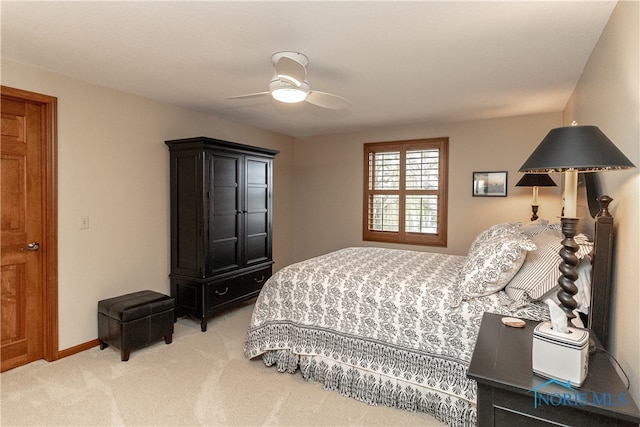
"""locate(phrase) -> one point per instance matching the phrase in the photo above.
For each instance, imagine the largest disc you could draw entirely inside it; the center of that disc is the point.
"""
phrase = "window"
(405, 193)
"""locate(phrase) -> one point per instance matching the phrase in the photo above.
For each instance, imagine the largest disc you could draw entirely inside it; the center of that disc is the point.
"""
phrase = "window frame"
(402, 236)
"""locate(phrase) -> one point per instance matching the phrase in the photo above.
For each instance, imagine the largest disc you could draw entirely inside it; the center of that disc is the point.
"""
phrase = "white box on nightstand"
(561, 356)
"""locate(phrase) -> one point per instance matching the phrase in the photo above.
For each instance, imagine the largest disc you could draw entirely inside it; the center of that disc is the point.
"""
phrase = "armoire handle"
(223, 292)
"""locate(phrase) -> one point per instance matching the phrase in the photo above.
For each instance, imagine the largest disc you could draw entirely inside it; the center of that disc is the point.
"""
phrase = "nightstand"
(510, 394)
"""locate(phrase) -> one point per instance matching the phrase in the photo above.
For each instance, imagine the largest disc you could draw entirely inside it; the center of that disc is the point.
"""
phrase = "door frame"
(49, 174)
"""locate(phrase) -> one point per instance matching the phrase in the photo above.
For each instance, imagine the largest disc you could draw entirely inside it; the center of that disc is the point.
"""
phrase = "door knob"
(33, 246)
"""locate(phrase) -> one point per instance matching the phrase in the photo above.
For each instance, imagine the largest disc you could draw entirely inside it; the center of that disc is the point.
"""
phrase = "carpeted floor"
(199, 379)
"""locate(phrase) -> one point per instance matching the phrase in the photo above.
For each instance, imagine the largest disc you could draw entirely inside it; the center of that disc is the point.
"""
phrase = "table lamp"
(573, 149)
(535, 180)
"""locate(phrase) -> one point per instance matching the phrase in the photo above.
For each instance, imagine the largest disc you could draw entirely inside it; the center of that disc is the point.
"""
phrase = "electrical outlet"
(84, 222)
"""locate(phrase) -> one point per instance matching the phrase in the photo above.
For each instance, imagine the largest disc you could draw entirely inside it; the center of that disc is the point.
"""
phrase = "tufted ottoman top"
(135, 305)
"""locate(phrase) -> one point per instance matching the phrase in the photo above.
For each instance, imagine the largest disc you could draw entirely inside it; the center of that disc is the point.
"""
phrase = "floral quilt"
(385, 326)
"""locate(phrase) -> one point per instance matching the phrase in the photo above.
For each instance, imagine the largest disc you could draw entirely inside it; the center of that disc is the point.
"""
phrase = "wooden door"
(28, 254)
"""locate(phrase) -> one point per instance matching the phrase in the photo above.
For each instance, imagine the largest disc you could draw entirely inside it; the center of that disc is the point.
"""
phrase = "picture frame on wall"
(490, 184)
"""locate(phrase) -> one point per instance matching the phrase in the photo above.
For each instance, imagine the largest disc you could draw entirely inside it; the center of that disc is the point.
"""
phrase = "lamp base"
(534, 212)
(568, 267)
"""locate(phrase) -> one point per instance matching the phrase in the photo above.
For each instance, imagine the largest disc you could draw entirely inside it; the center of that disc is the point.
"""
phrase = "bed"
(397, 327)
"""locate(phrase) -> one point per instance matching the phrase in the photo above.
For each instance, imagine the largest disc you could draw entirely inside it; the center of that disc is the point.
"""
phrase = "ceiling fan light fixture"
(289, 85)
(289, 95)
(286, 92)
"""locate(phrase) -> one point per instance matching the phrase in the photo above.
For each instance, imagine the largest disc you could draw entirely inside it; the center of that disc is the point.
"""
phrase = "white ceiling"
(398, 62)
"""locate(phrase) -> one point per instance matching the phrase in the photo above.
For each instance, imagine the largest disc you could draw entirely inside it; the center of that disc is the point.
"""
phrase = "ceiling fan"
(289, 84)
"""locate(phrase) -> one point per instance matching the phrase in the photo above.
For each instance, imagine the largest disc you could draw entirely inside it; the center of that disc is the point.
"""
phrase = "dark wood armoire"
(221, 217)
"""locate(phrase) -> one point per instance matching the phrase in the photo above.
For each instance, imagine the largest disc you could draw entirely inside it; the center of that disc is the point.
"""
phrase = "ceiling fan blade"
(290, 70)
(327, 100)
(249, 95)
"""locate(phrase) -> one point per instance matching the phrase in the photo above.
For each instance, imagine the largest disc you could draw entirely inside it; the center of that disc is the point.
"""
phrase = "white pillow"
(583, 283)
(540, 270)
(492, 265)
(538, 226)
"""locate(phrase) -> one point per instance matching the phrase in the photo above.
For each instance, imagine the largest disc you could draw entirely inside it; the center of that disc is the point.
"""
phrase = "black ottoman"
(135, 320)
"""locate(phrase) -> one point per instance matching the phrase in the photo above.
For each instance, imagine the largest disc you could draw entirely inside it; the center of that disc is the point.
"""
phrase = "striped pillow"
(540, 271)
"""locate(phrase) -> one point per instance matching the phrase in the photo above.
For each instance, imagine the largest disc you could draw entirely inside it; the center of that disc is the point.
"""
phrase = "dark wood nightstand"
(510, 394)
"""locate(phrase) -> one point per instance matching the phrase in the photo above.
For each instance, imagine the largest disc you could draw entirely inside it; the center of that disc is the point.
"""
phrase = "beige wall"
(329, 181)
(608, 96)
(113, 166)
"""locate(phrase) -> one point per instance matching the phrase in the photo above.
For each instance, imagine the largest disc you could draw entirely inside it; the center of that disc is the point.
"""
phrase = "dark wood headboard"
(601, 264)
(596, 223)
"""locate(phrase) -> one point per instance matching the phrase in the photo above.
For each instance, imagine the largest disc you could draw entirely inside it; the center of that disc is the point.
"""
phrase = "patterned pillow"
(540, 270)
(491, 266)
(492, 232)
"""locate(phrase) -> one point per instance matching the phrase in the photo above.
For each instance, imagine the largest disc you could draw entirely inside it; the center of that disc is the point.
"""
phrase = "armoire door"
(258, 210)
(225, 212)
(187, 254)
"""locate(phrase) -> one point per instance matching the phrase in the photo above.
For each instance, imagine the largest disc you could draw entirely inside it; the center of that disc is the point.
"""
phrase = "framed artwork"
(490, 184)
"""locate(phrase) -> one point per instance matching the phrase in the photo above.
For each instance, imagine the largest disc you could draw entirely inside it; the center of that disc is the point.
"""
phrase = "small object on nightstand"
(514, 322)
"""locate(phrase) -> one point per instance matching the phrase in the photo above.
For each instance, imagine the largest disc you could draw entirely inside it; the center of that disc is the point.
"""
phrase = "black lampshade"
(536, 180)
(578, 148)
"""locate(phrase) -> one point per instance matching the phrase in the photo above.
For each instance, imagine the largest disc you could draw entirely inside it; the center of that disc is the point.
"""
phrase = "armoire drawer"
(254, 281)
(221, 292)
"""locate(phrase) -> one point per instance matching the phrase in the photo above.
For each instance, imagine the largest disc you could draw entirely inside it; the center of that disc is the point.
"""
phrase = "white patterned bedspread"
(384, 326)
